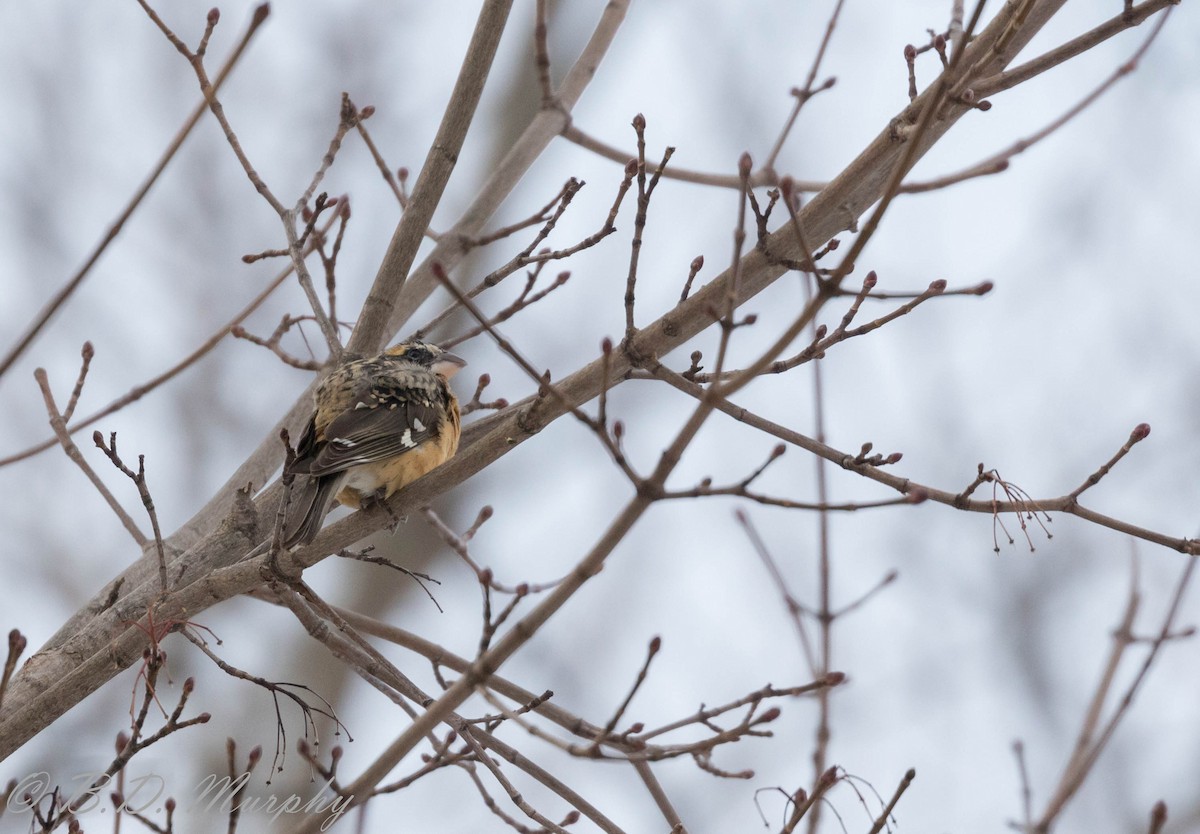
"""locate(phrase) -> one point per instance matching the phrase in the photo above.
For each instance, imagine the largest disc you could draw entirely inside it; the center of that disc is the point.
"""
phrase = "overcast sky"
(1089, 239)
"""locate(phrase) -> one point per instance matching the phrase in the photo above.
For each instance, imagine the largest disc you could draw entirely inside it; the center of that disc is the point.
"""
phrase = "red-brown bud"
(745, 164)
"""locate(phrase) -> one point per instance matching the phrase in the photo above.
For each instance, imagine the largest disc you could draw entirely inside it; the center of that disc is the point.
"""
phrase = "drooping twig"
(293, 692)
(960, 500)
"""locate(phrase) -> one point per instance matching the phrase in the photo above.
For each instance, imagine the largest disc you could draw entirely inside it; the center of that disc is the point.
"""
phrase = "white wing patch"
(418, 425)
(406, 439)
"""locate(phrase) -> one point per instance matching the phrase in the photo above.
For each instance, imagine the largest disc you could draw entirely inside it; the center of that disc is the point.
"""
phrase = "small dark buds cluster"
(865, 458)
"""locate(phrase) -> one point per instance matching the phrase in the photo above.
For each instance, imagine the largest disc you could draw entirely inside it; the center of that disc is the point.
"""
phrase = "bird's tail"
(308, 509)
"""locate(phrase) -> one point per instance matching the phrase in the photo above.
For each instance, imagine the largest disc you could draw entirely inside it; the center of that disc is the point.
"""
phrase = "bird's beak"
(447, 365)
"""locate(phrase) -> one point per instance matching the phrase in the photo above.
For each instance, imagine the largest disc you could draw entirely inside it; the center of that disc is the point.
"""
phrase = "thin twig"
(881, 820)
(52, 306)
(369, 333)
(139, 480)
(58, 424)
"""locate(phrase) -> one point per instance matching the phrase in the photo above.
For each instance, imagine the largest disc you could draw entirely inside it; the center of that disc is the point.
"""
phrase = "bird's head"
(441, 362)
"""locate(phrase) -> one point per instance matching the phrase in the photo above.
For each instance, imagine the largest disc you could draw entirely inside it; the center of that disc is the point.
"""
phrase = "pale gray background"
(1089, 238)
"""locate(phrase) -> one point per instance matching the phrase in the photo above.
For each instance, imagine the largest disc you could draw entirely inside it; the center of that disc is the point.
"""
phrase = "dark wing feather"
(378, 430)
(305, 450)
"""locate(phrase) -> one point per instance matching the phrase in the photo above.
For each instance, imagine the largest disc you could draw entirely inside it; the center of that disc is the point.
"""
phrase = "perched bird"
(378, 425)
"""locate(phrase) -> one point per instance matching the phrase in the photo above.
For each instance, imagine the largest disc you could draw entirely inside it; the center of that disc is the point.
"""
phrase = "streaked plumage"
(378, 425)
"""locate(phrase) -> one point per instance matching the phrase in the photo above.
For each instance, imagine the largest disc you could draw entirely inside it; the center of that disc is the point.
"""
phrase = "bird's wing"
(374, 430)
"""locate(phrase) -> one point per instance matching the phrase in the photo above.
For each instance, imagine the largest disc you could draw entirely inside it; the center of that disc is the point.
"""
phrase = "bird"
(378, 424)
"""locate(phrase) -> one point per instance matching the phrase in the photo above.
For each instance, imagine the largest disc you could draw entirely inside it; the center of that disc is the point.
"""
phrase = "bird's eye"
(420, 355)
